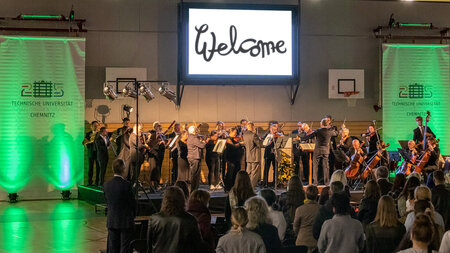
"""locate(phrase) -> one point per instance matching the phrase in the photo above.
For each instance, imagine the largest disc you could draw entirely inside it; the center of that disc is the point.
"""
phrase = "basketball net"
(351, 101)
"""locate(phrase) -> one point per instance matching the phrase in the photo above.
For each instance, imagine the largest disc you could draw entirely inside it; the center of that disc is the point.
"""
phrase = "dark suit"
(174, 157)
(296, 151)
(418, 136)
(385, 186)
(321, 151)
(92, 155)
(136, 159)
(253, 147)
(195, 147)
(440, 197)
(102, 157)
(121, 212)
(269, 159)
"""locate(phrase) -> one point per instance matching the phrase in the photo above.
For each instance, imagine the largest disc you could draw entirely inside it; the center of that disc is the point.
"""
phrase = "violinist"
(435, 152)
(345, 143)
(253, 153)
(174, 151)
(322, 149)
(242, 127)
(156, 142)
(384, 161)
(305, 155)
(195, 144)
(372, 138)
(418, 132)
(221, 132)
(136, 159)
(296, 151)
(212, 159)
(269, 152)
(183, 164)
(118, 134)
(233, 153)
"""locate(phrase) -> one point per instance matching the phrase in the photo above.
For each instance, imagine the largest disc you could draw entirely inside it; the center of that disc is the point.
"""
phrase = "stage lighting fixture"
(109, 92)
(65, 195)
(127, 108)
(147, 93)
(13, 197)
(129, 91)
(166, 92)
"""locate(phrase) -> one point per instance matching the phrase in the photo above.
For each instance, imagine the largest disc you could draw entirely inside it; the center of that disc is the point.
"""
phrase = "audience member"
(239, 239)
(289, 201)
(121, 204)
(386, 231)
(406, 197)
(173, 230)
(338, 175)
(260, 223)
(369, 203)
(397, 187)
(304, 218)
(184, 187)
(342, 233)
(326, 211)
(198, 207)
(445, 244)
(239, 193)
(421, 235)
(276, 216)
(423, 207)
(423, 193)
(440, 197)
(382, 174)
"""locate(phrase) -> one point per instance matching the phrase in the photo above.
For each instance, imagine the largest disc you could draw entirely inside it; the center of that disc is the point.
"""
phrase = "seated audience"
(184, 187)
(406, 198)
(121, 204)
(276, 216)
(289, 201)
(423, 207)
(260, 223)
(326, 211)
(198, 207)
(338, 175)
(304, 218)
(239, 193)
(173, 230)
(423, 193)
(382, 174)
(369, 203)
(342, 233)
(440, 197)
(386, 231)
(397, 186)
(445, 244)
(239, 239)
(421, 235)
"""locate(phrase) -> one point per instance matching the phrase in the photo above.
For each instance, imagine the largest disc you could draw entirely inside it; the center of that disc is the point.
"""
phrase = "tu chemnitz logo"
(415, 90)
(42, 89)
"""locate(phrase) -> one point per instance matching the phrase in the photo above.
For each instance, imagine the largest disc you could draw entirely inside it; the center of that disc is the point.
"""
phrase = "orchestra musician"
(183, 164)
(345, 143)
(372, 138)
(102, 144)
(212, 159)
(118, 134)
(156, 142)
(412, 150)
(296, 150)
(305, 155)
(269, 153)
(136, 158)
(222, 134)
(253, 154)
(241, 129)
(195, 145)
(174, 151)
(435, 152)
(333, 145)
(322, 149)
(92, 152)
(418, 132)
(233, 153)
(355, 148)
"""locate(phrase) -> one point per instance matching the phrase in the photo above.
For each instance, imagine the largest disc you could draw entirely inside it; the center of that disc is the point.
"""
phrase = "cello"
(425, 157)
(352, 171)
(374, 160)
(408, 164)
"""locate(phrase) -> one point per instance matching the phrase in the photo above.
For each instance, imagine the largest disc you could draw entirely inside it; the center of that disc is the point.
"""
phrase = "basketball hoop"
(351, 102)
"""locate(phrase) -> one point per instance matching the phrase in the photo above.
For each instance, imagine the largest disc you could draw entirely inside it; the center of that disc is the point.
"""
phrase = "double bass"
(374, 160)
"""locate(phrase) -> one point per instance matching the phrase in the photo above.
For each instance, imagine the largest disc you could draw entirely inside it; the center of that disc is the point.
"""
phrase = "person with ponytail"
(239, 239)
(421, 235)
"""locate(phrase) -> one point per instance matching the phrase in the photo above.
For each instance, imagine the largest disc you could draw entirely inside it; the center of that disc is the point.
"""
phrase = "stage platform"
(95, 195)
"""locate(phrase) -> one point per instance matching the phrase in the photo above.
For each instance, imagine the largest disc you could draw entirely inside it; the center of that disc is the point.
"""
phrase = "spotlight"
(129, 92)
(128, 109)
(166, 92)
(65, 195)
(13, 197)
(147, 93)
(109, 92)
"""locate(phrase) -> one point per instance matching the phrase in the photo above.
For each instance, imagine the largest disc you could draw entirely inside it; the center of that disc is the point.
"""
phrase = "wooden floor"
(51, 226)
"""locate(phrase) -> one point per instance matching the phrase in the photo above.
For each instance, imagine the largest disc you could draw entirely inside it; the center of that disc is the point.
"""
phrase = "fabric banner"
(416, 79)
(42, 85)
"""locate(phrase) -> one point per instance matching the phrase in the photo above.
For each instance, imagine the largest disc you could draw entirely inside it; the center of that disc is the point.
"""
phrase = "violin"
(374, 161)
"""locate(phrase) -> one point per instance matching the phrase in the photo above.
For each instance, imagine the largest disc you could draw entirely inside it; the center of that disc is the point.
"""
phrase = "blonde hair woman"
(424, 193)
(338, 175)
(386, 228)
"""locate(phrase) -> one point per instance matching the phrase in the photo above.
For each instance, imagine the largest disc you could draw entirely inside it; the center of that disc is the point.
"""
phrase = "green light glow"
(67, 221)
(40, 16)
(415, 25)
(407, 69)
(41, 136)
(16, 232)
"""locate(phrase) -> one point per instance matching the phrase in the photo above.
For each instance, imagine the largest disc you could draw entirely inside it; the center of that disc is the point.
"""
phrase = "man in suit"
(102, 144)
(195, 146)
(269, 154)
(120, 133)
(253, 147)
(121, 204)
(382, 180)
(440, 197)
(418, 132)
(322, 149)
(174, 151)
(92, 153)
(296, 151)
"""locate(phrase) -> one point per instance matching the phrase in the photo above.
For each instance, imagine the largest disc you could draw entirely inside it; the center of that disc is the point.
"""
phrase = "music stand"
(309, 147)
(403, 144)
(219, 148)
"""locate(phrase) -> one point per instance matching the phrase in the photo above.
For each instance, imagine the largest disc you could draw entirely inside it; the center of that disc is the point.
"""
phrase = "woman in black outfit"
(369, 203)
(183, 164)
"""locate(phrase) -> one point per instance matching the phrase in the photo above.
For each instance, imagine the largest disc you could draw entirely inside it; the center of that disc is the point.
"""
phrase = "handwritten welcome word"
(252, 46)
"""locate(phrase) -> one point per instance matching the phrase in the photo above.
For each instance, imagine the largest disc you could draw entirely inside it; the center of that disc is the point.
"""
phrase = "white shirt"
(445, 244)
(411, 216)
(278, 221)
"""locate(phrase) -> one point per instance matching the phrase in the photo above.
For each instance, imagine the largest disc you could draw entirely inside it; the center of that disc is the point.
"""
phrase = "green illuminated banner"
(42, 114)
(416, 79)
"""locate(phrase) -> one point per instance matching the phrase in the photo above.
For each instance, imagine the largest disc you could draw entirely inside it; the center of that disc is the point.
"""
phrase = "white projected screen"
(240, 42)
